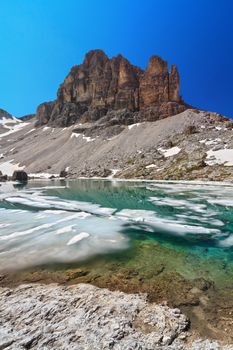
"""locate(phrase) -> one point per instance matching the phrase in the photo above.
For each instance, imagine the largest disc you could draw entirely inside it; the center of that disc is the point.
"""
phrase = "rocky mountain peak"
(157, 66)
(4, 114)
(101, 85)
(95, 57)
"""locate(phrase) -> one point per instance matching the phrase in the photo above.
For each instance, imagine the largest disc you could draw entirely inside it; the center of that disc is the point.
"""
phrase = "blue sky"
(42, 39)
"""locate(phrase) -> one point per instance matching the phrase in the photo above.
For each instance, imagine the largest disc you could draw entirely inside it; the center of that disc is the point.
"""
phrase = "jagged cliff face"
(101, 85)
(101, 82)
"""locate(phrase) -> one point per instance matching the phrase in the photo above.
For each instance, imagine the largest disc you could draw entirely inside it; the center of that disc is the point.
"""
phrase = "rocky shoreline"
(37, 316)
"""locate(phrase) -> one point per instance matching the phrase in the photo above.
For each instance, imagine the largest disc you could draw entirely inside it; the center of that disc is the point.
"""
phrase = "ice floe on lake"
(38, 224)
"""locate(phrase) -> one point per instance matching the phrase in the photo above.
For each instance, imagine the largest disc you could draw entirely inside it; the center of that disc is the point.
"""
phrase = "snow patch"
(28, 132)
(5, 121)
(42, 175)
(151, 166)
(133, 125)
(114, 172)
(74, 134)
(88, 138)
(221, 157)
(170, 151)
(7, 168)
(209, 142)
(12, 129)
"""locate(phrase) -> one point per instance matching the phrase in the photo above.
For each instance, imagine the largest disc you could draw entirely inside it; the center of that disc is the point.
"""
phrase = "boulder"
(20, 175)
(3, 178)
(63, 173)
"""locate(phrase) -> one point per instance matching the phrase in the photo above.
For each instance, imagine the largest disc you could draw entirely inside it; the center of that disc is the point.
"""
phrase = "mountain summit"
(100, 85)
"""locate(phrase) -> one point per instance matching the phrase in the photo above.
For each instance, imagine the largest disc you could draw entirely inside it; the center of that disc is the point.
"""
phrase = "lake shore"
(169, 240)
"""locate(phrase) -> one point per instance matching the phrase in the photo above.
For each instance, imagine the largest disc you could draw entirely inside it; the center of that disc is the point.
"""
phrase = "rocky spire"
(174, 84)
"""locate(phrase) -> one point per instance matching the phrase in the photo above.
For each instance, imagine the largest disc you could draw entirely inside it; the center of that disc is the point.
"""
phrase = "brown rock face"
(101, 85)
(174, 85)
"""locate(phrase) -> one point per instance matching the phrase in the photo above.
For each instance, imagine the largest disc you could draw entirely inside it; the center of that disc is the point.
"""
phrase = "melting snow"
(133, 125)
(222, 156)
(151, 166)
(42, 175)
(4, 121)
(18, 125)
(170, 151)
(28, 132)
(114, 171)
(7, 168)
(74, 134)
(88, 138)
(209, 142)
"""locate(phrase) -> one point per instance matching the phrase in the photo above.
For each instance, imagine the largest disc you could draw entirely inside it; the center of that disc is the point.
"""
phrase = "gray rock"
(86, 317)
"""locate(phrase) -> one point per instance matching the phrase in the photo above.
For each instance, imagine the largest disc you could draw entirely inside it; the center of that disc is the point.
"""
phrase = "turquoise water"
(64, 222)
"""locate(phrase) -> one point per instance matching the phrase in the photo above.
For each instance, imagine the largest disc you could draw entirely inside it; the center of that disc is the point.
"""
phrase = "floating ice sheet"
(41, 223)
